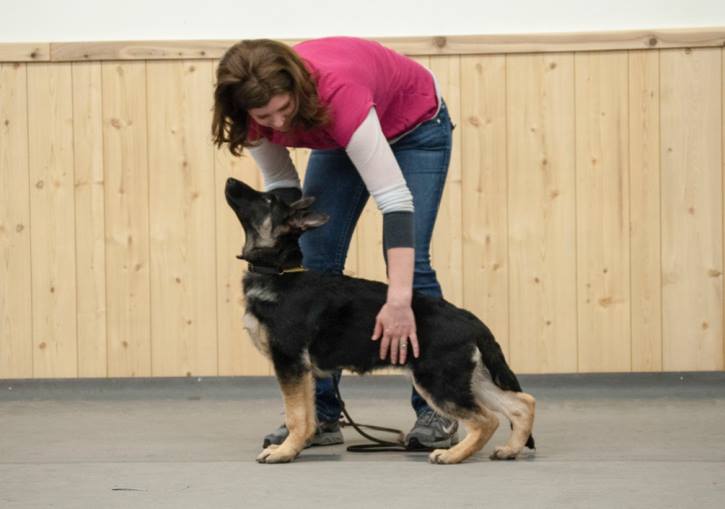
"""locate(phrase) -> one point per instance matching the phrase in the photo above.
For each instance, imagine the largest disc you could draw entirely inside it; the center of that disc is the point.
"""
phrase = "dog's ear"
(302, 203)
(304, 220)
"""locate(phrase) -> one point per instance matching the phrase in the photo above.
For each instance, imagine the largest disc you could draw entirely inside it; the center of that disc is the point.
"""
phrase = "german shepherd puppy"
(309, 322)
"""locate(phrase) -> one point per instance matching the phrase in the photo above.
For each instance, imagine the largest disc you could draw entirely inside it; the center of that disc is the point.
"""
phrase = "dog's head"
(271, 226)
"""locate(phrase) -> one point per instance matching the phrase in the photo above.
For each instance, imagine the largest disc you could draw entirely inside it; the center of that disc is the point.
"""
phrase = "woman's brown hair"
(249, 74)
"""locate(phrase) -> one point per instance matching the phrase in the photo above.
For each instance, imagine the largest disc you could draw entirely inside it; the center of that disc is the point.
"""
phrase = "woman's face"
(276, 114)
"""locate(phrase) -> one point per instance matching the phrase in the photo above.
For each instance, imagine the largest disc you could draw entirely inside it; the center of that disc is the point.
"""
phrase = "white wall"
(95, 20)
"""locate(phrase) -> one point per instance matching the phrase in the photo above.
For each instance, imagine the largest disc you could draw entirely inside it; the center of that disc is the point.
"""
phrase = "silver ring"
(403, 345)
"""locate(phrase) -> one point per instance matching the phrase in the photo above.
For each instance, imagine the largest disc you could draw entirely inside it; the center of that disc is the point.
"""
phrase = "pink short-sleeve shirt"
(353, 75)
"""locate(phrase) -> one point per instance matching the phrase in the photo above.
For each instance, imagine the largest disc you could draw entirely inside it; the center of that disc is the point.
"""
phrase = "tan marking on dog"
(266, 237)
(518, 407)
(258, 334)
(480, 425)
(523, 423)
(299, 418)
(311, 415)
(480, 429)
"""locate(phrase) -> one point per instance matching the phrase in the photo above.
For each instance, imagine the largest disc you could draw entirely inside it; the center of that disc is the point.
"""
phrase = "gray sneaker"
(327, 433)
(432, 431)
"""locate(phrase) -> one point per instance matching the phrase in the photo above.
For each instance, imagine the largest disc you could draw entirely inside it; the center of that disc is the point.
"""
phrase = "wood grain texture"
(182, 219)
(126, 202)
(645, 190)
(542, 218)
(52, 206)
(483, 189)
(602, 165)
(414, 46)
(24, 52)
(692, 224)
(16, 319)
(89, 217)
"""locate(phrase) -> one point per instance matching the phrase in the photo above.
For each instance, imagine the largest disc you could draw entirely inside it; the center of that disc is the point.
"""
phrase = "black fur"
(331, 317)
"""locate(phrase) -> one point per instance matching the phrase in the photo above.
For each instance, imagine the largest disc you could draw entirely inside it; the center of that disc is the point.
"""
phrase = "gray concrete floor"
(603, 441)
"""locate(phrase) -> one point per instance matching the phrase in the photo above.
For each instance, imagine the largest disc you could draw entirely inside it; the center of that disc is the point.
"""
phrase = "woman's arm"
(396, 321)
(276, 165)
(371, 154)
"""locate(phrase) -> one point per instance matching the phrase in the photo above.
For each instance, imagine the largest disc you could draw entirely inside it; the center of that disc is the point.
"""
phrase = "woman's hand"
(396, 324)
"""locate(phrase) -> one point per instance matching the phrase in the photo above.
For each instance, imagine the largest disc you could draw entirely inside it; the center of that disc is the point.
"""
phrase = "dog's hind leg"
(299, 417)
(518, 407)
(480, 427)
(457, 402)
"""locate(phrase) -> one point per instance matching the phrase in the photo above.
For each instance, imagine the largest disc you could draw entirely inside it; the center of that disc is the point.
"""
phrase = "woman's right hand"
(395, 323)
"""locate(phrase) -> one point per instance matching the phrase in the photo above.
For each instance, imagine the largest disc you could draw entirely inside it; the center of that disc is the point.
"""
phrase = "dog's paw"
(273, 454)
(504, 453)
(441, 457)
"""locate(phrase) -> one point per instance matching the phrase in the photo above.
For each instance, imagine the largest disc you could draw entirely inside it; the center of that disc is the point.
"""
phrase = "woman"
(378, 127)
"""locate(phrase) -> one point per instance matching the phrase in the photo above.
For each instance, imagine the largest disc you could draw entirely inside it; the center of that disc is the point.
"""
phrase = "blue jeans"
(423, 156)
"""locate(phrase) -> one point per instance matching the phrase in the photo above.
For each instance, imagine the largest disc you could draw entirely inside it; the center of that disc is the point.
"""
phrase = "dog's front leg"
(299, 410)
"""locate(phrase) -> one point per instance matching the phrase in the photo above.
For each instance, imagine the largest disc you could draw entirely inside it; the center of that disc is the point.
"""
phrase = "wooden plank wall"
(582, 219)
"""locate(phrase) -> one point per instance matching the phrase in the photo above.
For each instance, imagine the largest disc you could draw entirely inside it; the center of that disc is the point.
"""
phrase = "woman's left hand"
(396, 324)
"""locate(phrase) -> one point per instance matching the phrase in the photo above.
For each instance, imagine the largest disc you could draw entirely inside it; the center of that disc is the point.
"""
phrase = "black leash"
(378, 445)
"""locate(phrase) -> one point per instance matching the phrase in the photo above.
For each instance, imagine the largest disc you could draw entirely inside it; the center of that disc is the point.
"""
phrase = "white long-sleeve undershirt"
(368, 150)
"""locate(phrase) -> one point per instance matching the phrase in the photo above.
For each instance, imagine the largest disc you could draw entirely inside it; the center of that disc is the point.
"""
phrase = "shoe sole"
(414, 444)
(330, 439)
(317, 442)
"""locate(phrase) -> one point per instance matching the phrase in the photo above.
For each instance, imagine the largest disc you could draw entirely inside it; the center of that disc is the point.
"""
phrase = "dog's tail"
(495, 362)
(501, 374)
